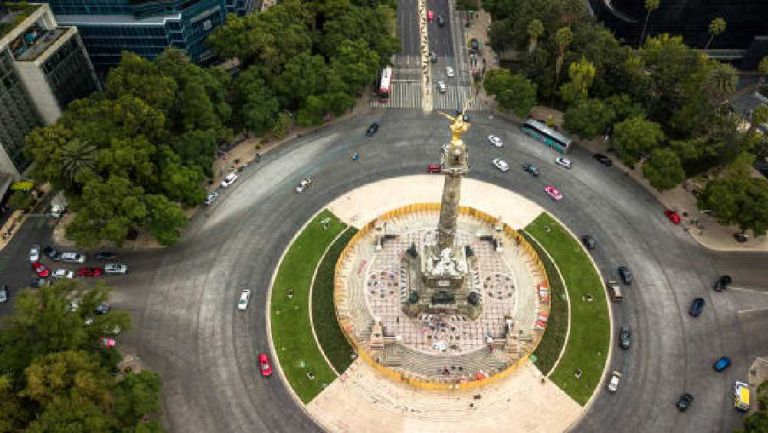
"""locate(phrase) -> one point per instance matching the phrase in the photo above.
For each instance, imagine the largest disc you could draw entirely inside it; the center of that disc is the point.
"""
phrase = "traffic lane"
(408, 27)
(440, 37)
(748, 269)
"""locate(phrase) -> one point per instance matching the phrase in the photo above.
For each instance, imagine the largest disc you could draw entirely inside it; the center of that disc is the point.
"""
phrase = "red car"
(90, 272)
(41, 270)
(434, 168)
(430, 16)
(673, 216)
(553, 192)
(264, 366)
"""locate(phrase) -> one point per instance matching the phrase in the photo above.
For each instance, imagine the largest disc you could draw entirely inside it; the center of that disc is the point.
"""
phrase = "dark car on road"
(5, 294)
(721, 364)
(530, 168)
(602, 159)
(589, 242)
(52, 253)
(684, 402)
(106, 255)
(722, 283)
(625, 337)
(441, 20)
(432, 57)
(372, 129)
(697, 306)
(626, 275)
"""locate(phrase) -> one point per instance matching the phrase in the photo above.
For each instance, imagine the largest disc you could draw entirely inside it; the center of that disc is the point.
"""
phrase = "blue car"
(721, 364)
(697, 306)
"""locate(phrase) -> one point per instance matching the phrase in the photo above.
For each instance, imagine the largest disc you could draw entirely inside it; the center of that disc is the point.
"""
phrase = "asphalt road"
(408, 28)
(183, 298)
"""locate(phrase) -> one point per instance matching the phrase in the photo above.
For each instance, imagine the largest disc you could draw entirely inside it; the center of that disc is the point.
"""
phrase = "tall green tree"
(716, 28)
(663, 169)
(635, 138)
(650, 6)
(589, 118)
(762, 70)
(535, 30)
(513, 91)
(582, 74)
(720, 82)
(563, 38)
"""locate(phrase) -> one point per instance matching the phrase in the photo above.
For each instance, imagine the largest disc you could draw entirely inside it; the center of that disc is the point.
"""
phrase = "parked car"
(303, 185)
(107, 343)
(626, 275)
(441, 86)
(115, 269)
(211, 198)
(434, 168)
(613, 382)
(625, 337)
(495, 140)
(34, 253)
(722, 363)
(684, 402)
(449, 71)
(63, 273)
(532, 169)
(553, 193)
(102, 308)
(5, 294)
(500, 164)
(372, 129)
(245, 297)
(41, 270)
(589, 242)
(672, 216)
(72, 257)
(106, 255)
(229, 180)
(697, 306)
(38, 283)
(563, 162)
(602, 159)
(265, 367)
(52, 253)
(90, 272)
(441, 20)
(722, 282)
(432, 57)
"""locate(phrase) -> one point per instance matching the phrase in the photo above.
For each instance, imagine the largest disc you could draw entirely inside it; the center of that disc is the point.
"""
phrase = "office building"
(43, 67)
(145, 27)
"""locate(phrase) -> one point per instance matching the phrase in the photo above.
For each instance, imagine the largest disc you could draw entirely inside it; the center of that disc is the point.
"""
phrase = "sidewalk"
(478, 29)
(702, 227)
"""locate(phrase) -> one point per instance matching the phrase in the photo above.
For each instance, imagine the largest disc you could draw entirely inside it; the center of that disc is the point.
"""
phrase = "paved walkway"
(362, 401)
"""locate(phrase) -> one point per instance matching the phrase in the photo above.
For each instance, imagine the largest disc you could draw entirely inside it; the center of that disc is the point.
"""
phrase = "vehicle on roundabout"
(626, 275)
(532, 169)
(589, 242)
(229, 180)
(613, 382)
(672, 216)
(721, 364)
(265, 367)
(625, 337)
(500, 164)
(449, 71)
(684, 402)
(211, 198)
(697, 306)
(303, 185)
(603, 159)
(495, 140)
(434, 168)
(553, 193)
(563, 162)
(722, 283)
(245, 297)
(41, 270)
(372, 129)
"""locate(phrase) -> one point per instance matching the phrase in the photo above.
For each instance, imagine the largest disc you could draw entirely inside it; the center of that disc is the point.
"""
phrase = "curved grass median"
(587, 347)
(300, 358)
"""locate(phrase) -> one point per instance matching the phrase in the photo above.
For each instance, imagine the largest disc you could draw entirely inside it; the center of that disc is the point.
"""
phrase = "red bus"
(385, 84)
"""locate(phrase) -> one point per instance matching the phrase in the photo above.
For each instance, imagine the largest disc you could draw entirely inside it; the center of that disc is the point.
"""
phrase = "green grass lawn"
(554, 336)
(331, 338)
(289, 310)
(589, 338)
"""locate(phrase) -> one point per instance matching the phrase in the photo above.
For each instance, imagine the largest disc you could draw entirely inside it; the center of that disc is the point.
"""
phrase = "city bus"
(540, 131)
(385, 84)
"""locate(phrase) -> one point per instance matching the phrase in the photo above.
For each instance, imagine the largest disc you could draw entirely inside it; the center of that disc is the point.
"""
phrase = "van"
(614, 291)
(72, 257)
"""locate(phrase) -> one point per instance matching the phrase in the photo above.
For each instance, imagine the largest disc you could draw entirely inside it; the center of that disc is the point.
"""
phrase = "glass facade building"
(18, 115)
(109, 27)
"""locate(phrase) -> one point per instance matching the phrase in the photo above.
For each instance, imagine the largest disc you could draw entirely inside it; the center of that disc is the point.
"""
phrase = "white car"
(245, 296)
(441, 86)
(496, 141)
(449, 71)
(613, 382)
(229, 180)
(500, 164)
(303, 185)
(63, 273)
(563, 162)
(211, 198)
(34, 253)
(115, 269)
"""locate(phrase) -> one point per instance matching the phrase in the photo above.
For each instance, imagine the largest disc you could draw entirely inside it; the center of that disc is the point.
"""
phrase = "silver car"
(115, 269)
(34, 253)
(500, 164)
(211, 198)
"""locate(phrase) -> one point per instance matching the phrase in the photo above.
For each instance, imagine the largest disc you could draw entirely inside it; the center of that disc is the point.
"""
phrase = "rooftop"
(35, 42)
(18, 12)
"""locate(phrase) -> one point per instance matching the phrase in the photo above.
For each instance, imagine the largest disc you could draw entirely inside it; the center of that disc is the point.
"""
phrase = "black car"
(589, 242)
(372, 129)
(440, 20)
(105, 255)
(52, 253)
(697, 306)
(530, 168)
(602, 159)
(684, 402)
(625, 337)
(626, 275)
(5, 294)
(722, 283)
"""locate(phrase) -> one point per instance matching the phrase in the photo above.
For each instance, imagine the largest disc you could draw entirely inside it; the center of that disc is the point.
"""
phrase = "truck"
(741, 396)
(58, 204)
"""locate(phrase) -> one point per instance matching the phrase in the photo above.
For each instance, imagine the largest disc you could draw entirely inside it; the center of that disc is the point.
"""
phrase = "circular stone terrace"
(372, 285)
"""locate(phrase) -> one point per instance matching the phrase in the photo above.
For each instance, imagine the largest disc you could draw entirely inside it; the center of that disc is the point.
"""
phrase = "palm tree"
(650, 6)
(563, 39)
(77, 157)
(759, 117)
(762, 69)
(535, 30)
(720, 82)
(716, 27)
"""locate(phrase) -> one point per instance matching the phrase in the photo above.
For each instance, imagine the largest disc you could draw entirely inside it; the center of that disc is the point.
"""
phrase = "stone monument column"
(455, 166)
